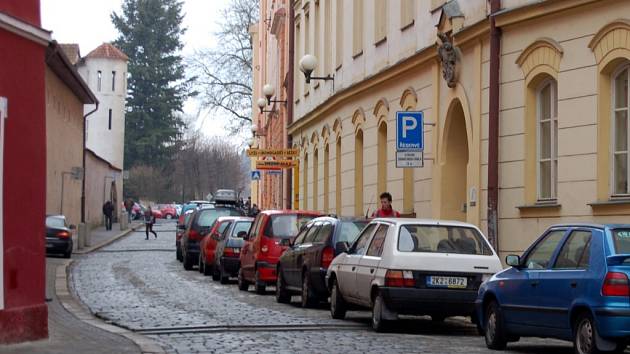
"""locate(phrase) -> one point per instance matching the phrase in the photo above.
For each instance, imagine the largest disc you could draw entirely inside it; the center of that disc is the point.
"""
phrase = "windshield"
(621, 238)
(350, 230)
(286, 226)
(241, 226)
(208, 216)
(442, 239)
(55, 222)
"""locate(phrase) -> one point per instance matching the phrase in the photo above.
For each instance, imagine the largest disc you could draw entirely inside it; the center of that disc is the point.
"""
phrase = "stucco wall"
(109, 144)
(99, 177)
(64, 146)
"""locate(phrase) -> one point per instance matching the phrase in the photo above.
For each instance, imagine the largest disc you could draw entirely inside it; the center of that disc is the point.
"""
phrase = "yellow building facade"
(563, 110)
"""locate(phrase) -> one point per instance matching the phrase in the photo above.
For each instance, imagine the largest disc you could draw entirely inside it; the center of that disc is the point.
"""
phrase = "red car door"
(213, 239)
(248, 257)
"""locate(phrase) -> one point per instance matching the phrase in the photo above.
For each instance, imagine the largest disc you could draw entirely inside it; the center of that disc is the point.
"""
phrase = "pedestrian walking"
(129, 208)
(254, 210)
(149, 220)
(386, 210)
(108, 211)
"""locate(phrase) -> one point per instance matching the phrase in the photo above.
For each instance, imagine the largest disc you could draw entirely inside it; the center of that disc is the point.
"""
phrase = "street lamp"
(262, 103)
(269, 91)
(254, 128)
(308, 63)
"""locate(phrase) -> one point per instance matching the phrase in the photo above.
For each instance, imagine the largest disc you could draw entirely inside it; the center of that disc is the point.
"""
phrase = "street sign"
(409, 131)
(255, 175)
(273, 152)
(275, 164)
(409, 159)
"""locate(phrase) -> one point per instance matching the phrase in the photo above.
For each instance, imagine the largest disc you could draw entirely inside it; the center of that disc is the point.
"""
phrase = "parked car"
(193, 204)
(302, 268)
(168, 211)
(411, 267)
(267, 239)
(208, 245)
(227, 255)
(137, 211)
(571, 284)
(201, 223)
(182, 223)
(178, 209)
(58, 236)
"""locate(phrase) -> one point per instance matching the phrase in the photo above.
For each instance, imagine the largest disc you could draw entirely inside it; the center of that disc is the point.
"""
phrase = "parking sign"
(409, 131)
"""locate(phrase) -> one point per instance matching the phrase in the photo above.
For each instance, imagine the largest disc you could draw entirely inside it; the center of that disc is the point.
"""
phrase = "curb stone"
(87, 250)
(75, 307)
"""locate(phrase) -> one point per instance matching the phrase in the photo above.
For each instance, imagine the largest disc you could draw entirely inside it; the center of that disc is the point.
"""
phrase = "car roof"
(58, 216)
(291, 212)
(591, 225)
(235, 218)
(333, 218)
(434, 222)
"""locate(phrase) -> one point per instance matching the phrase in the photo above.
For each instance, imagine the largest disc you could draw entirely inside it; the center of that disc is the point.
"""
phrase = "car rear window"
(621, 237)
(350, 231)
(55, 222)
(209, 216)
(241, 226)
(286, 226)
(442, 239)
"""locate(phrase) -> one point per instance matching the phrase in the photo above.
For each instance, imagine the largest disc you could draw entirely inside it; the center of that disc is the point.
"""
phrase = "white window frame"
(613, 136)
(3, 116)
(554, 140)
(99, 80)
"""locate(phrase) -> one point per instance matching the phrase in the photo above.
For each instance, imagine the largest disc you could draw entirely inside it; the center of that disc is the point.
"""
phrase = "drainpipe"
(84, 174)
(493, 142)
(290, 88)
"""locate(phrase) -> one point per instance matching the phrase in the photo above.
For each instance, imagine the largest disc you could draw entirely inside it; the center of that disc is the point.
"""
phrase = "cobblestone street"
(138, 284)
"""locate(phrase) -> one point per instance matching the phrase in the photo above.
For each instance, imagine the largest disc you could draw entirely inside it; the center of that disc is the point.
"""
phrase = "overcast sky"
(88, 23)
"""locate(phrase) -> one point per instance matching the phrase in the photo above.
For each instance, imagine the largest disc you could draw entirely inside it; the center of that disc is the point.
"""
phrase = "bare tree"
(224, 73)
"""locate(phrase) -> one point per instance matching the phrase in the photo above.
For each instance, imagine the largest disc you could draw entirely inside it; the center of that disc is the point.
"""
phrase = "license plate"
(237, 250)
(447, 282)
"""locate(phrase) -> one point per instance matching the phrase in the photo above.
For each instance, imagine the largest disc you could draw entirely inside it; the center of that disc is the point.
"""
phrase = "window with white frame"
(620, 133)
(547, 117)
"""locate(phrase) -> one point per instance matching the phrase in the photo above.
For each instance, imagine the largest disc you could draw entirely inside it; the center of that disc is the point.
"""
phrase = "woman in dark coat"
(149, 220)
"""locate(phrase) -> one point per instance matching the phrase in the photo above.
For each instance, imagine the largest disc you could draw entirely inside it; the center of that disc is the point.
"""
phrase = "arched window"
(326, 177)
(620, 133)
(382, 158)
(358, 173)
(305, 184)
(338, 176)
(547, 118)
(315, 178)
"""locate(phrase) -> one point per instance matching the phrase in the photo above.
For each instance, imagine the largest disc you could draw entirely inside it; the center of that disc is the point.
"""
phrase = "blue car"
(571, 284)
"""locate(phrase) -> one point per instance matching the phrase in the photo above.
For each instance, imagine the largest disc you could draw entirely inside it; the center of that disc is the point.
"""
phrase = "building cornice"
(521, 14)
(401, 68)
(24, 29)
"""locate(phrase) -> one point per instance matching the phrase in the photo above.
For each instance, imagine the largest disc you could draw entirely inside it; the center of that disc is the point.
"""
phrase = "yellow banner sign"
(275, 164)
(273, 152)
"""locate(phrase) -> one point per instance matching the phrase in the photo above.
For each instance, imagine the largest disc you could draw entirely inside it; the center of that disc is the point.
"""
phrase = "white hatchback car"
(411, 267)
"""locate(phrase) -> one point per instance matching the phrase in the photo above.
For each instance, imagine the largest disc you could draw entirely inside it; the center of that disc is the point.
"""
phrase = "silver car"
(411, 267)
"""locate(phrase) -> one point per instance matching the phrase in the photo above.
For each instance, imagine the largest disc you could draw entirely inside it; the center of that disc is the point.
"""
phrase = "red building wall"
(22, 82)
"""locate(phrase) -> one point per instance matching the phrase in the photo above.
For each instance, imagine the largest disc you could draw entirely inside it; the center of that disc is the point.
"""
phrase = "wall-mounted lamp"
(308, 63)
(269, 91)
(255, 131)
(262, 103)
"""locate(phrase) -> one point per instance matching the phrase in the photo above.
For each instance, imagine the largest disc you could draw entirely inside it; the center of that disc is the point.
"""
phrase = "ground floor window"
(620, 132)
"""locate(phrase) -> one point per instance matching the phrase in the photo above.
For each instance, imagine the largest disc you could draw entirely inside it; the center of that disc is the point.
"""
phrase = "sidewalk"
(71, 328)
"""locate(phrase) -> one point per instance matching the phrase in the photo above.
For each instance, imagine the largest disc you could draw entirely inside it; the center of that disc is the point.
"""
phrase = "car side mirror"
(513, 261)
(72, 227)
(341, 247)
(242, 234)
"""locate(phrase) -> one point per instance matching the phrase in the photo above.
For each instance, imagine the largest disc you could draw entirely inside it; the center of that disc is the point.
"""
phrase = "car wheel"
(378, 323)
(337, 303)
(308, 299)
(187, 261)
(200, 265)
(585, 336)
(178, 254)
(493, 327)
(208, 270)
(282, 295)
(260, 287)
(243, 285)
(216, 276)
(224, 277)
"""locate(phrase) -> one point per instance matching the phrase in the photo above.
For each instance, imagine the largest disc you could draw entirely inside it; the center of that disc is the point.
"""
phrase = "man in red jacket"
(386, 210)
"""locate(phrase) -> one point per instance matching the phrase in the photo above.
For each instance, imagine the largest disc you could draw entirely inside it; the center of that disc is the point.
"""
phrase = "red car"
(182, 223)
(168, 211)
(208, 245)
(268, 238)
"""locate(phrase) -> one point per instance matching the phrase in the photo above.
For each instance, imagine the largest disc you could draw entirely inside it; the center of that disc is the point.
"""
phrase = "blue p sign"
(409, 131)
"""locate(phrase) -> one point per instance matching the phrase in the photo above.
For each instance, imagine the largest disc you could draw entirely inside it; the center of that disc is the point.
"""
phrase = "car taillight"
(327, 256)
(231, 252)
(194, 235)
(399, 279)
(615, 284)
(264, 249)
(63, 234)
